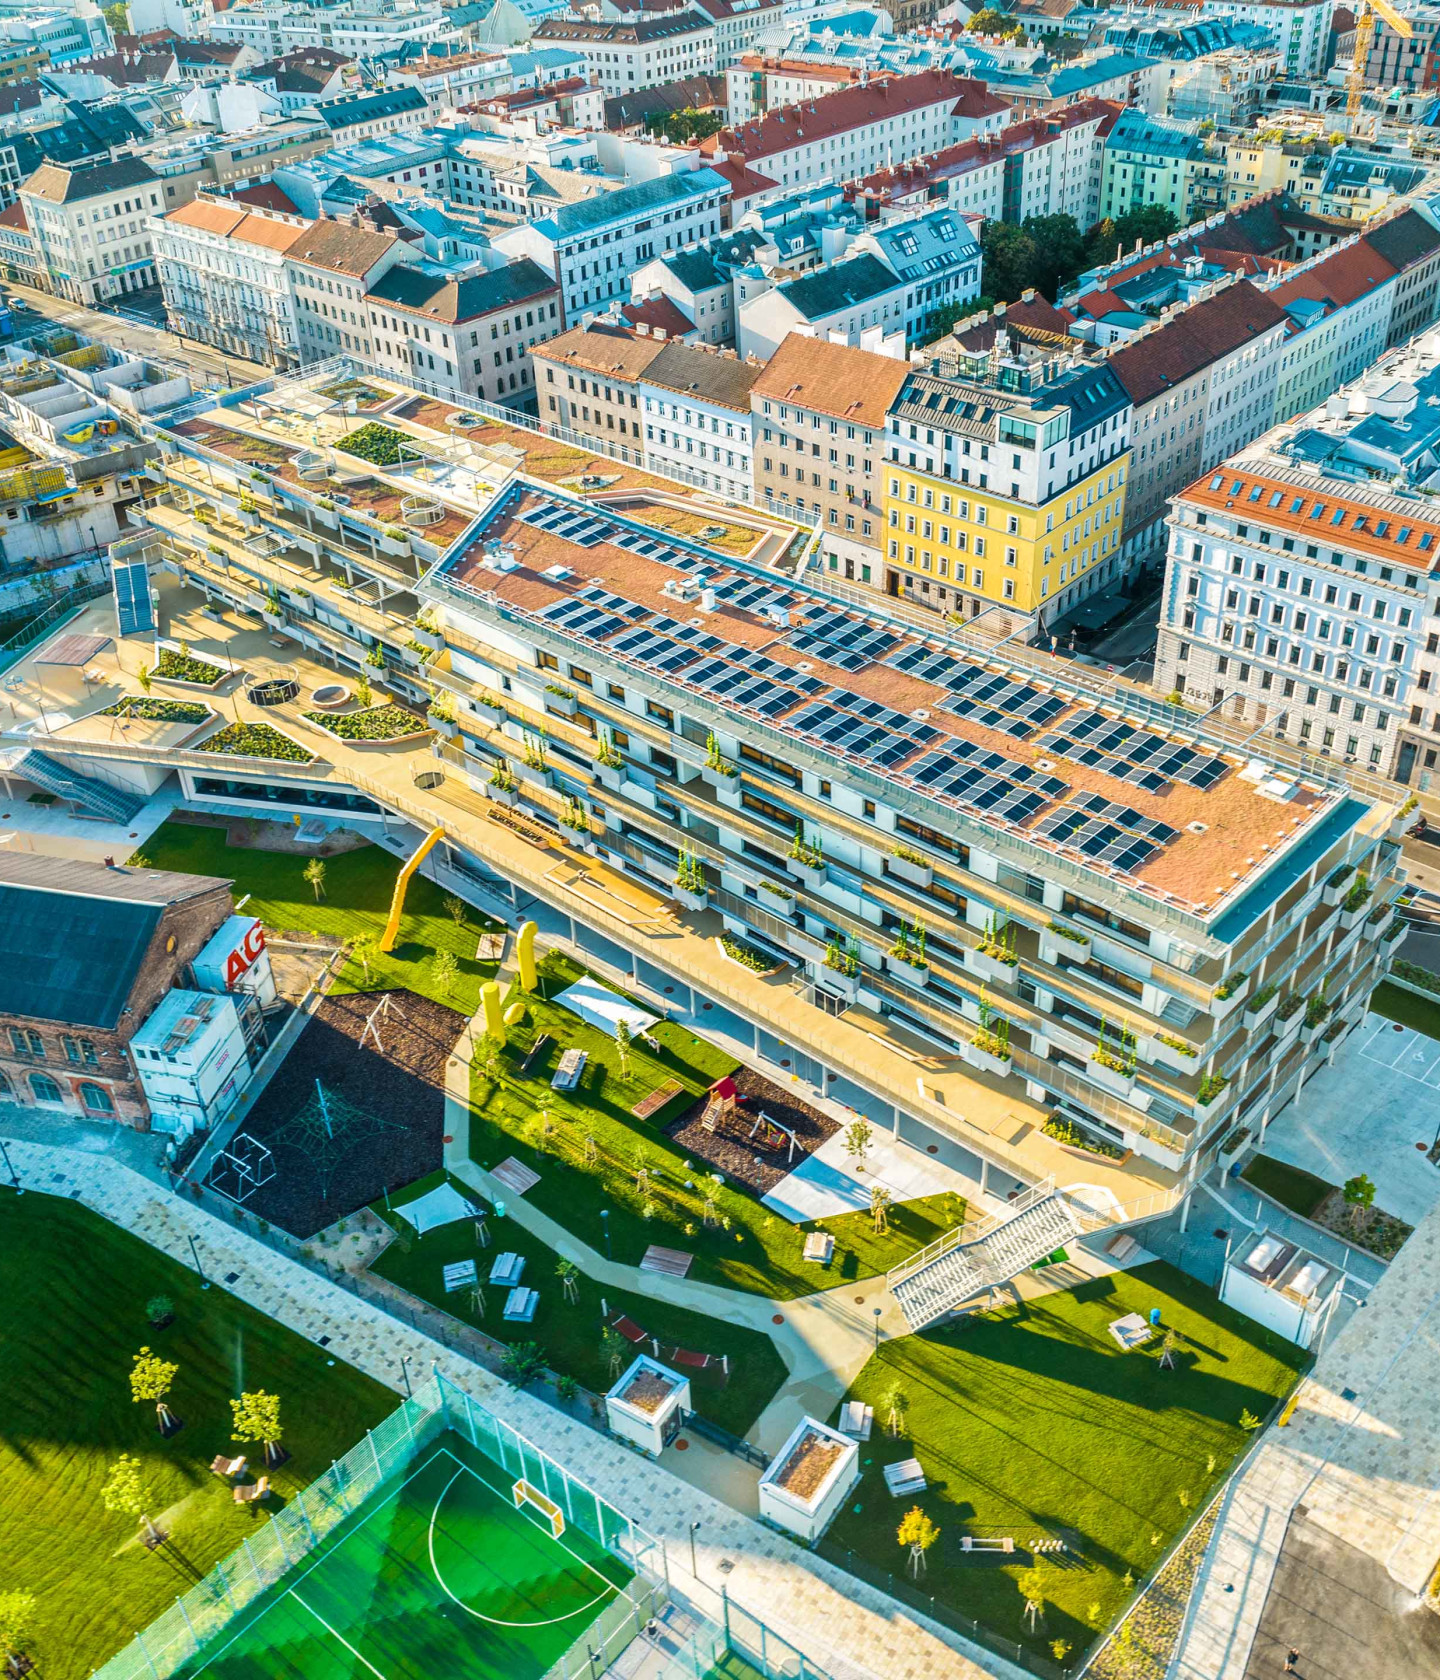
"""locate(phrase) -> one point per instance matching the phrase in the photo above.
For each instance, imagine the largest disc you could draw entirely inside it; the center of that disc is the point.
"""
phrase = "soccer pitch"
(440, 1574)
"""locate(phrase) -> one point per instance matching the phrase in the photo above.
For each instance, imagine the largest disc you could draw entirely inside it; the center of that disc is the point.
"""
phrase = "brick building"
(86, 953)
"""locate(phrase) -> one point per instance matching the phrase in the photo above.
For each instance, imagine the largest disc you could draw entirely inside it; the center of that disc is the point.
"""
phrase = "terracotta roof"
(853, 385)
(1342, 275)
(209, 217)
(13, 215)
(852, 107)
(338, 246)
(600, 348)
(658, 312)
(705, 375)
(744, 181)
(1179, 348)
(265, 195)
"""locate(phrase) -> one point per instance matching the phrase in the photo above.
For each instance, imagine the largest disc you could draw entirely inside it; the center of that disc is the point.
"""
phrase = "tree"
(1010, 260)
(118, 17)
(1031, 1583)
(880, 1199)
(622, 1047)
(1169, 1347)
(455, 908)
(613, 1348)
(896, 1403)
(522, 1363)
(918, 1533)
(1146, 223)
(569, 1274)
(127, 1492)
(1359, 1194)
(364, 694)
(859, 1135)
(365, 950)
(151, 1378)
(17, 1619)
(142, 676)
(987, 21)
(1059, 252)
(315, 877)
(255, 1416)
(1101, 244)
(682, 127)
(444, 970)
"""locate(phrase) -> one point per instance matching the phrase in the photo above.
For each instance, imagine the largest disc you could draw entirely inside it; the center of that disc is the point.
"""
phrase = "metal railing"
(963, 1235)
(15, 647)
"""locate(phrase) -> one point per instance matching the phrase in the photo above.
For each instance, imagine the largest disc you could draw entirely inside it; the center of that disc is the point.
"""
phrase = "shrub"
(1067, 1132)
(748, 956)
(256, 740)
(380, 445)
(182, 666)
(159, 711)
(380, 723)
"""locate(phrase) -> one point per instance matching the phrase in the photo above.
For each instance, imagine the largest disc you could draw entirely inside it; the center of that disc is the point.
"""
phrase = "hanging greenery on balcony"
(1122, 1058)
(715, 760)
(503, 777)
(909, 946)
(1210, 1087)
(843, 957)
(574, 815)
(993, 1034)
(998, 942)
(810, 854)
(1067, 1132)
(1359, 894)
(690, 872)
(607, 753)
(532, 750)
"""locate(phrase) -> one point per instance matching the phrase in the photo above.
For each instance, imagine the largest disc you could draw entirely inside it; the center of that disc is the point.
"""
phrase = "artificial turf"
(1030, 1421)
(75, 1290)
(1411, 1010)
(1292, 1187)
(357, 891)
(568, 1332)
(745, 1247)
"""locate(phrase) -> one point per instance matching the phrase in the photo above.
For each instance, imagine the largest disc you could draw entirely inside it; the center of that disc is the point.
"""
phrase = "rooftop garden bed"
(380, 445)
(377, 723)
(156, 710)
(180, 665)
(256, 740)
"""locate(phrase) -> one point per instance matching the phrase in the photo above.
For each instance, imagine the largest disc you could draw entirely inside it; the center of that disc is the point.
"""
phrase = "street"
(134, 331)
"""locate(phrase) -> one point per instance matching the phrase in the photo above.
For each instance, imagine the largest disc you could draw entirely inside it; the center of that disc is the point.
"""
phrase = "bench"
(536, 1054)
(568, 1074)
(657, 1099)
(507, 1270)
(520, 1305)
(905, 1477)
(974, 1543)
(819, 1247)
(460, 1274)
(231, 1469)
(667, 1262)
(252, 1494)
(1122, 1248)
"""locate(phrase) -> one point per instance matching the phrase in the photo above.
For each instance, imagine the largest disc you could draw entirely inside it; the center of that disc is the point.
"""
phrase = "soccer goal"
(524, 1493)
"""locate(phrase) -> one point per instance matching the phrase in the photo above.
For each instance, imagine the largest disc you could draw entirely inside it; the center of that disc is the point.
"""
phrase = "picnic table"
(820, 1247)
(507, 1269)
(668, 1262)
(904, 1477)
(520, 1305)
(460, 1274)
(657, 1099)
(856, 1420)
(567, 1075)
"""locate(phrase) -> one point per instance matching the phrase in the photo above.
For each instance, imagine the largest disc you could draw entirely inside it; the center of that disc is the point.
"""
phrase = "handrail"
(977, 1232)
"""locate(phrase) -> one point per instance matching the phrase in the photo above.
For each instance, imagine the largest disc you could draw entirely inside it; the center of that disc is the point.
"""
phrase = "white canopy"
(599, 1007)
(441, 1206)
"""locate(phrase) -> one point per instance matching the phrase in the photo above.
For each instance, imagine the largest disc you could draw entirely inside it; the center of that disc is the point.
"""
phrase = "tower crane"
(1366, 20)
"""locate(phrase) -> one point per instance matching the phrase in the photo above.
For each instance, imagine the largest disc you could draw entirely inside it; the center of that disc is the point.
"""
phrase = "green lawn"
(1292, 1187)
(750, 1248)
(75, 1290)
(1421, 1013)
(357, 888)
(1031, 1420)
(569, 1332)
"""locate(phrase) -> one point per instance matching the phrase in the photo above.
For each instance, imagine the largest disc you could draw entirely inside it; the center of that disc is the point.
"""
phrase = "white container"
(809, 1479)
(648, 1405)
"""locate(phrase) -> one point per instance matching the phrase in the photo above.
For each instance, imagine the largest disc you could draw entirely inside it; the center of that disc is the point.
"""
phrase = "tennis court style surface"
(458, 1571)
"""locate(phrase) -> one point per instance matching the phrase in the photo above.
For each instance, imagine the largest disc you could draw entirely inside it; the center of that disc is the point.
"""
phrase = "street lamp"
(15, 1183)
(405, 1359)
(694, 1570)
(877, 1326)
(605, 1227)
(195, 1253)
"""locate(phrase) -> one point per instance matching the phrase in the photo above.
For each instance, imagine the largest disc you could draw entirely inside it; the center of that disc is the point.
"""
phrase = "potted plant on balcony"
(842, 968)
(989, 1050)
(1397, 823)
(806, 859)
(1262, 1005)
(491, 710)
(1352, 906)
(532, 755)
(576, 818)
(690, 888)
(249, 510)
(560, 700)
(1336, 885)
(1210, 1087)
(326, 512)
(427, 629)
(1175, 1053)
(995, 956)
(1074, 1141)
(395, 541)
(1317, 1011)
(1113, 1063)
(1058, 940)
(273, 612)
(717, 771)
(501, 786)
(609, 765)
(1229, 994)
(442, 715)
(906, 957)
(906, 864)
(1288, 1015)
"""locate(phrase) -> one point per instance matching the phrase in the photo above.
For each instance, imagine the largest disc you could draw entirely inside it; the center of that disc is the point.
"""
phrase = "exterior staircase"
(98, 798)
(944, 1275)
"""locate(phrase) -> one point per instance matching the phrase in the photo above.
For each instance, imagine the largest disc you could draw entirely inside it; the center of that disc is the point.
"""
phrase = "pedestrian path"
(808, 1600)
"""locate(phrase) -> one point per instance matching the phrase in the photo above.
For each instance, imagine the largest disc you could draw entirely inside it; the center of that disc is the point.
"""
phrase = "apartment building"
(695, 404)
(588, 380)
(936, 257)
(448, 81)
(859, 301)
(701, 285)
(1302, 590)
(468, 334)
(223, 273)
(1149, 161)
(739, 25)
(360, 31)
(818, 413)
(1407, 64)
(857, 130)
(1005, 484)
(759, 83)
(331, 267)
(637, 50)
(352, 117)
(91, 227)
(593, 246)
(1299, 28)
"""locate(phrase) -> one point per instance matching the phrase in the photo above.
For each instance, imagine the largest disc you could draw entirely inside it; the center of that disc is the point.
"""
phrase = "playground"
(763, 1134)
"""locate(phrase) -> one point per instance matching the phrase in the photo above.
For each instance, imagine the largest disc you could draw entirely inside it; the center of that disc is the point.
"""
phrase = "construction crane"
(1366, 18)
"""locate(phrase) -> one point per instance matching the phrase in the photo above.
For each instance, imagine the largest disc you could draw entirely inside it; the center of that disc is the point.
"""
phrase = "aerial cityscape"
(719, 839)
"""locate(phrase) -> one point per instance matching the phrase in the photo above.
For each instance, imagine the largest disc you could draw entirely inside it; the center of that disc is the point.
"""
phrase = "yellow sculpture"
(515, 1014)
(525, 955)
(402, 881)
(490, 1003)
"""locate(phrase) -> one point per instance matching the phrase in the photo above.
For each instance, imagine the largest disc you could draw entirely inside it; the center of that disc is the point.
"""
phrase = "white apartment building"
(592, 247)
(332, 266)
(937, 256)
(860, 129)
(462, 79)
(273, 27)
(739, 25)
(758, 84)
(858, 301)
(223, 272)
(91, 227)
(695, 405)
(638, 50)
(1300, 28)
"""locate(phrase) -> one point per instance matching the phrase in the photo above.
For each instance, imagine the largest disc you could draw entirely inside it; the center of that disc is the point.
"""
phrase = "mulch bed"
(406, 1084)
(733, 1154)
(1380, 1232)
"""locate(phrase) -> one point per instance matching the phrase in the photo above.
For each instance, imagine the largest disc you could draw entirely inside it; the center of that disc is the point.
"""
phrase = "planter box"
(1258, 1017)
(328, 517)
(561, 705)
(1083, 1154)
(447, 727)
(913, 974)
(813, 878)
(1333, 895)
(1221, 1008)
(397, 547)
(1285, 1030)
(1309, 1034)
(917, 874)
(690, 900)
(1353, 918)
(537, 778)
(428, 638)
(610, 776)
(492, 714)
(1055, 945)
(1109, 1079)
(502, 796)
(274, 620)
(717, 779)
(991, 968)
(847, 985)
(988, 1062)
(760, 974)
(1167, 1056)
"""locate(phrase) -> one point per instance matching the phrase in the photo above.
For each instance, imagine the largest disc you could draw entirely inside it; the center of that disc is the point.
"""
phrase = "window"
(27, 1043)
(661, 714)
(80, 1050)
(43, 1088)
(96, 1098)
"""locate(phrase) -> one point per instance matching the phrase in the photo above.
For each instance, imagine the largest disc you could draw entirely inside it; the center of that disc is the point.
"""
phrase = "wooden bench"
(657, 1099)
(1122, 1247)
(254, 1493)
(667, 1262)
(570, 1071)
(536, 1054)
(974, 1543)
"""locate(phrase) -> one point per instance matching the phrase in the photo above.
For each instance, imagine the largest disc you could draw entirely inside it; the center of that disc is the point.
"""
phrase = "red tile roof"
(265, 195)
(13, 215)
(1179, 348)
(659, 312)
(1342, 275)
(744, 181)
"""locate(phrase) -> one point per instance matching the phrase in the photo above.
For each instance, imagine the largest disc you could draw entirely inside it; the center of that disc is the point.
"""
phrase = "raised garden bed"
(404, 1085)
(256, 740)
(174, 666)
(156, 710)
(748, 956)
(380, 445)
(375, 726)
(737, 1156)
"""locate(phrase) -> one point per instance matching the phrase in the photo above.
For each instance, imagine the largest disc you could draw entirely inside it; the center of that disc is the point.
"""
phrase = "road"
(132, 334)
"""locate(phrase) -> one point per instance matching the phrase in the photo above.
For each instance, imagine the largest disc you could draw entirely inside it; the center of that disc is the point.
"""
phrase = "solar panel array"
(1140, 756)
(999, 702)
(1106, 832)
(962, 773)
(842, 638)
(864, 729)
(594, 613)
(134, 607)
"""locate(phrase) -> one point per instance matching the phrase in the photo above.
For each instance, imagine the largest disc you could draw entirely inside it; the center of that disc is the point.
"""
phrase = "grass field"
(1292, 1187)
(439, 1576)
(358, 886)
(1030, 1421)
(1411, 1010)
(75, 1290)
(751, 1249)
(569, 1332)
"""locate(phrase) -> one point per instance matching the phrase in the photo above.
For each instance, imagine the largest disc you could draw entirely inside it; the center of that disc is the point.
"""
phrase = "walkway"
(818, 1606)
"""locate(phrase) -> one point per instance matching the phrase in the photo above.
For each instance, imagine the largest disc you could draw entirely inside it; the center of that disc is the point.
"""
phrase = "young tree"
(1359, 1194)
(622, 1047)
(455, 908)
(522, 1363)
(315, 877)
(127, 1492)
(364, 694)
(613, 1348)
(569, 1274)
(1031, 1583)
(365, 950)
(1169, 1347)
(879, 1209)
(918, 1533)
(896, 1404)
(151, 1378)
(444, 970)
(17, 1620)
(255, 1416)
(142, 676)
(859, 1135)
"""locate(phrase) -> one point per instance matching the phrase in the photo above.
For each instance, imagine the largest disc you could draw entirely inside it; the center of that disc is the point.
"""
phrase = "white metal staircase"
(99, 798)
(944, 1275)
